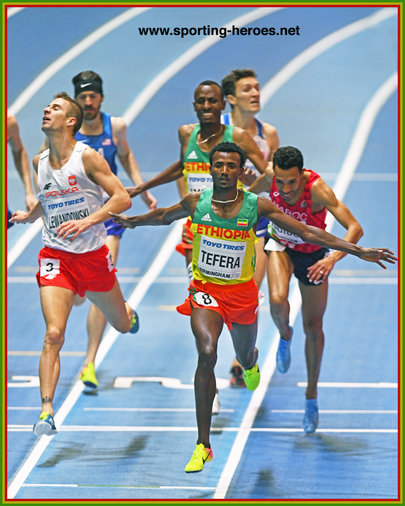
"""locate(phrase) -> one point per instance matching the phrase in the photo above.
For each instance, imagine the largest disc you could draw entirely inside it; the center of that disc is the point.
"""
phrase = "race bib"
(286, 237)
(49, 268)
(198, 182)
(221, 259)
(204, 299)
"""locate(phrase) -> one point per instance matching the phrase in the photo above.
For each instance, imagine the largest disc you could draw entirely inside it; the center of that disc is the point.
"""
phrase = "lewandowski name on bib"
(59, 211)
(221, 259)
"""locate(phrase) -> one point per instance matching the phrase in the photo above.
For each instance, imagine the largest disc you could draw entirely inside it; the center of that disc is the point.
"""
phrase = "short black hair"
(75, 109)
(228, 147)
(229, 82)
(287, 157)
(210, 83)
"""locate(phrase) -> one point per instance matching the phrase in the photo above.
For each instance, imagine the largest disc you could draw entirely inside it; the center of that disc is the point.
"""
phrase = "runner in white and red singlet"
(75, 258)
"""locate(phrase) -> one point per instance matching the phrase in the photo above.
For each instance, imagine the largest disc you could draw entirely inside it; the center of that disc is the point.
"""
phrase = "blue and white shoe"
(45, 425)
(311, 417)
(283, 357)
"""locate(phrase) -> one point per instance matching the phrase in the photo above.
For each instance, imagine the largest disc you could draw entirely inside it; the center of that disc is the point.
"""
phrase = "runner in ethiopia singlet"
(196, 171)
(224, 249)
(196, 165)
(68, 194)
(301, 211)
(223, 262)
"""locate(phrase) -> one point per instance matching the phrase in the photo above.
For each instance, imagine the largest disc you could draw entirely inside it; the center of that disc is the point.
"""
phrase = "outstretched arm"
(162, 215)
(173, 172)
(315, 235)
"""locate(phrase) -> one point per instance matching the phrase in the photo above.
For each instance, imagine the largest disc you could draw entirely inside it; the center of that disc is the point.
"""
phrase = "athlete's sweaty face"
(225, 170)
(208, 104)
(287, 182)
(90, 102)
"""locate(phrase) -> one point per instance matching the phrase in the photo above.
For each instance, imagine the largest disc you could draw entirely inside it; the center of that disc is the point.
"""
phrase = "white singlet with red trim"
(68, 194)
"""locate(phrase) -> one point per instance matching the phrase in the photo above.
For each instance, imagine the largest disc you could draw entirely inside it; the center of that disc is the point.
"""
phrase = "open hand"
(123, 220)
(378, 255)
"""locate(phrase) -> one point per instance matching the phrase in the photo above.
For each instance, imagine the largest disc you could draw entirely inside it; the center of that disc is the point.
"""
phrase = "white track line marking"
(171, 70)
(148, 428)
(70, 55)
(342, 411)
(340, 188)
(326, 384)
(123, 487)
(11, 11)
(297, 63)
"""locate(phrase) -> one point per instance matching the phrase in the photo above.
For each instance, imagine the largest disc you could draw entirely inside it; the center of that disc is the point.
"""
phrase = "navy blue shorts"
(9, 214)
(113, 228)
(262, 224)
(302, 261)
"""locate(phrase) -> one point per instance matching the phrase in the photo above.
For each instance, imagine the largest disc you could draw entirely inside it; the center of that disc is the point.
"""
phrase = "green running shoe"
(200, 456)
(252, 377)
(88, 376)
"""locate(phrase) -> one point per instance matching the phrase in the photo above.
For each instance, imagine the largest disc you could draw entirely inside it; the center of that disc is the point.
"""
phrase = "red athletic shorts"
(235, 303)
(186, 238)
(80, 272)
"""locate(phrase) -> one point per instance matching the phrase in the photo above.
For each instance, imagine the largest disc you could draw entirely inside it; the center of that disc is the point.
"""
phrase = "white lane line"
(341, 411)
(123, 487)
(12, 11)
(192, 410)
(360, 138)
(151, 410)
(171, 70)
(70, 55)
(148, 428)
(326, 384)
(23, 241)
(297, 63)
(109, 339)
(340, 188)
(19, 353)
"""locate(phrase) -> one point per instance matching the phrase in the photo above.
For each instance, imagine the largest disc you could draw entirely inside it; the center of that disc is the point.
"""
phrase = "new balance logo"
(192, 155)
(47, 186)
(206, 217)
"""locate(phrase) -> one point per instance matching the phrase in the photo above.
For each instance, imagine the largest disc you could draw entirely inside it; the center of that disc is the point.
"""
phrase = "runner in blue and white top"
(242, 92)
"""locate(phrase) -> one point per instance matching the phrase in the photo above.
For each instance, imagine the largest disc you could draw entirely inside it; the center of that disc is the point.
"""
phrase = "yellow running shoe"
(200, 456)
(252, 377)
(45, 425)
(88, 376)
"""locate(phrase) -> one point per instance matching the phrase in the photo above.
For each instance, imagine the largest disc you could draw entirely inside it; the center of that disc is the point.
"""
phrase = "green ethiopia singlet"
(196, 166)
(224, 249)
